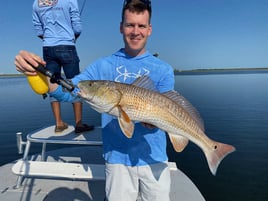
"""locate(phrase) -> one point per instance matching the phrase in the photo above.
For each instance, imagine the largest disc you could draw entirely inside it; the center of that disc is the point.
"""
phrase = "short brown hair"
(137, 6)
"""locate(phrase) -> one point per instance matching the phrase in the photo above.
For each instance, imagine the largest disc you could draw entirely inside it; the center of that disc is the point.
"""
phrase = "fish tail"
(215, 156)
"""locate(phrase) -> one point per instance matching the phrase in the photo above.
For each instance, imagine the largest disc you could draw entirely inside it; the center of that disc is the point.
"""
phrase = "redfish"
(168, 111)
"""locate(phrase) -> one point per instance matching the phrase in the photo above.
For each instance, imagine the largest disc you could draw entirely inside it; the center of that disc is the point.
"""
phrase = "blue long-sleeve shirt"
(57, 22)
(147, 146)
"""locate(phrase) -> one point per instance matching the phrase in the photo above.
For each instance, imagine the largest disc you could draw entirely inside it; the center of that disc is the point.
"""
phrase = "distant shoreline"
(221, 71)
(195, 71)
(12, 75)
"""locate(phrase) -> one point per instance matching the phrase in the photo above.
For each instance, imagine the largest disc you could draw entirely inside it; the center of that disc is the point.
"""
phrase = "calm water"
(234, 109)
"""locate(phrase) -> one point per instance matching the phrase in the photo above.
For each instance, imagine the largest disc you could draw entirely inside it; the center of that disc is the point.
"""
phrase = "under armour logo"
(124, 74)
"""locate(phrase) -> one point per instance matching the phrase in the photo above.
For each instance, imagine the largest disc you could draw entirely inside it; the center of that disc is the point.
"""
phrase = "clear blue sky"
(188, 34)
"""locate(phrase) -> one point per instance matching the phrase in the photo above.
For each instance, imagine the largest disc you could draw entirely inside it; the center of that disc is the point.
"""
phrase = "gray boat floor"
(36, 189)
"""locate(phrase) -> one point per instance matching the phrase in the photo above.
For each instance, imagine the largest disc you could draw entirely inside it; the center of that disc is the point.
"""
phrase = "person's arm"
(61, 95)
(75, 18)
(167, 81)
(26, 62)
(38, 27)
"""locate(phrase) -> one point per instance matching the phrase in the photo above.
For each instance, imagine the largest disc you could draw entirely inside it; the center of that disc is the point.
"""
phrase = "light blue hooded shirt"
(57, 21)
(147, 146)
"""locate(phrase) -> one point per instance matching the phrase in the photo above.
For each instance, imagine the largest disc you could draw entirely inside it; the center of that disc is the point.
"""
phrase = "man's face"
(135, 28)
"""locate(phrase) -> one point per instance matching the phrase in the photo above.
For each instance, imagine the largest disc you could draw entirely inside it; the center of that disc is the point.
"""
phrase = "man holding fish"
(134, 146)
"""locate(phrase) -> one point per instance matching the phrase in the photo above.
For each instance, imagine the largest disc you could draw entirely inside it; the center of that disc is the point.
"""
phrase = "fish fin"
(179, 142)
(145, 82)
(178, 98)
(219, 152)
(126, 125)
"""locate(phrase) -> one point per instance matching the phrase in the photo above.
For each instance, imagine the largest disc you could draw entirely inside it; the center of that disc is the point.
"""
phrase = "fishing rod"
(55, 78)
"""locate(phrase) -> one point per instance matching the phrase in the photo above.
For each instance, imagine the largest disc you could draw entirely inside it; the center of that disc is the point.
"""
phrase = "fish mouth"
(81, 91)
(89, 97)
(81, 94)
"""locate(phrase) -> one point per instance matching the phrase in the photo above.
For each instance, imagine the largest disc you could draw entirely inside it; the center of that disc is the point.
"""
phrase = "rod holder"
(20, 142)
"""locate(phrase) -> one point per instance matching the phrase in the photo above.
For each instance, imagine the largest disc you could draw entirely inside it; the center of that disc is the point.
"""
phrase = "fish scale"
(148, 104)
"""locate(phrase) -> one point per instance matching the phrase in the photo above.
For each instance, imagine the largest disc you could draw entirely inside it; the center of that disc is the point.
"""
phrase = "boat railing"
(44, 169)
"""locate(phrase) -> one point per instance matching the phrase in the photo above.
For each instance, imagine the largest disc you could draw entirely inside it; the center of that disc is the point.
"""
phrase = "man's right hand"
(25, 61)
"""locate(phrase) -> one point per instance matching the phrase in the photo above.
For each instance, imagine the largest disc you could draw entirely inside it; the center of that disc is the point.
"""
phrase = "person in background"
(137, 167)
(58, 24)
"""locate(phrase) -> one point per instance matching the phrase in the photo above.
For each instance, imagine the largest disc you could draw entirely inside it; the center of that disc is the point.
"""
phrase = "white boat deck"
(35, 188)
